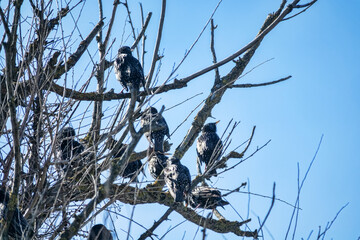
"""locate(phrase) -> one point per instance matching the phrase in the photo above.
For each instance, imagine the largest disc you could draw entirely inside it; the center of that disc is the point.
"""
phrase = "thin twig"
(141, 34)
(271, 206)
(301, 185)
(252, 43)
(250, 85)
(332, 221)
(155, 57)
(194, 43)
(308, 6)
(150, 231)
(212, 47)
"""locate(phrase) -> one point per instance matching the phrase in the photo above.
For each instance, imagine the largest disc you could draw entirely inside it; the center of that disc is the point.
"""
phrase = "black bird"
(132, 168)
(206, 197)
(151, 116)
(128, 70)
(157, 162)
(209, 146)
(177, 178)
(18, 225)
(68, 148)
(99, 232)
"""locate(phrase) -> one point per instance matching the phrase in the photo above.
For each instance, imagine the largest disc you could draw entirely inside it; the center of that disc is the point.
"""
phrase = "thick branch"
(4, 22)
(108, 96)
(10, 76)
(215, 97)
(144, 196)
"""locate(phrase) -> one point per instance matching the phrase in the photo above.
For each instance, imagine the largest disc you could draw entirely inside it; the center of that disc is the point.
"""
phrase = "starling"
(209, 146)
(99, 232)
(128, 70)
(177, 178)
(155, 137)
(132, 168)
(206, 197)
(157, 162)
(18, 225)
(68, 148)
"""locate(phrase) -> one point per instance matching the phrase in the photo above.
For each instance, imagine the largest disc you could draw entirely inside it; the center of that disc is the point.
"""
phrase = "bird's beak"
(168, 154)
(217, 122)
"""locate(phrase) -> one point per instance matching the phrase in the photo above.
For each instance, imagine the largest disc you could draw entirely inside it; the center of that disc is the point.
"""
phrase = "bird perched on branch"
(177, 178)
(18, 226)
(206, 197)
(132, 168)
(209, 146)
(128, 70)
(99, 232)
(156, 137)
(67, 148)
(157, 162)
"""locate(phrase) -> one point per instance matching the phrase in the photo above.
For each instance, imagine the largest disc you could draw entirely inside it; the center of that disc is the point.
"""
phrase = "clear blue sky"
(320, 50)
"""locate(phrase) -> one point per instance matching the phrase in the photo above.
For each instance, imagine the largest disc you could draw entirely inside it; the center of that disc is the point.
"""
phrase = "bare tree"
(45, 87)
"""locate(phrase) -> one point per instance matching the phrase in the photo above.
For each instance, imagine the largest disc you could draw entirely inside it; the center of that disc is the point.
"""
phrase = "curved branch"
(144, 196)
(110, 95)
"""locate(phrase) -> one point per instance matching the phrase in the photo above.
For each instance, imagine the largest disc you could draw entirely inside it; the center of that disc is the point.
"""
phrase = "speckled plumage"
(128, 69)
(177, 178)
(155, 137)
(209, 146)
(67, 148)
(99, 232)
(18, 225)
(156, 164)
(206, 197)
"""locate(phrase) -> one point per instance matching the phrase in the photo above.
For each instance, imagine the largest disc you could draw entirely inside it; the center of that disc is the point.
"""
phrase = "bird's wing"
(202, 145)
(184, 178)
(139, 72)
(164, 123)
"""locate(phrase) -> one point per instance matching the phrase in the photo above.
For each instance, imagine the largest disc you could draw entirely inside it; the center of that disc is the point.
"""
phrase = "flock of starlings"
(177, 177)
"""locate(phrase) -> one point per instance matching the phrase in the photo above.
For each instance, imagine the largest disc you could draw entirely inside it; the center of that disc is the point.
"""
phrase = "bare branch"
(72, 60)
(256, 40)
(10, 76)
(194, 43)
(332, 221)
(112, 19)
(212, 47)
(150, 231)
(141, 34)
(302, 183)
(157, 44)
(271, 206)
(307, 6)
(6, 26)
(250, 85)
